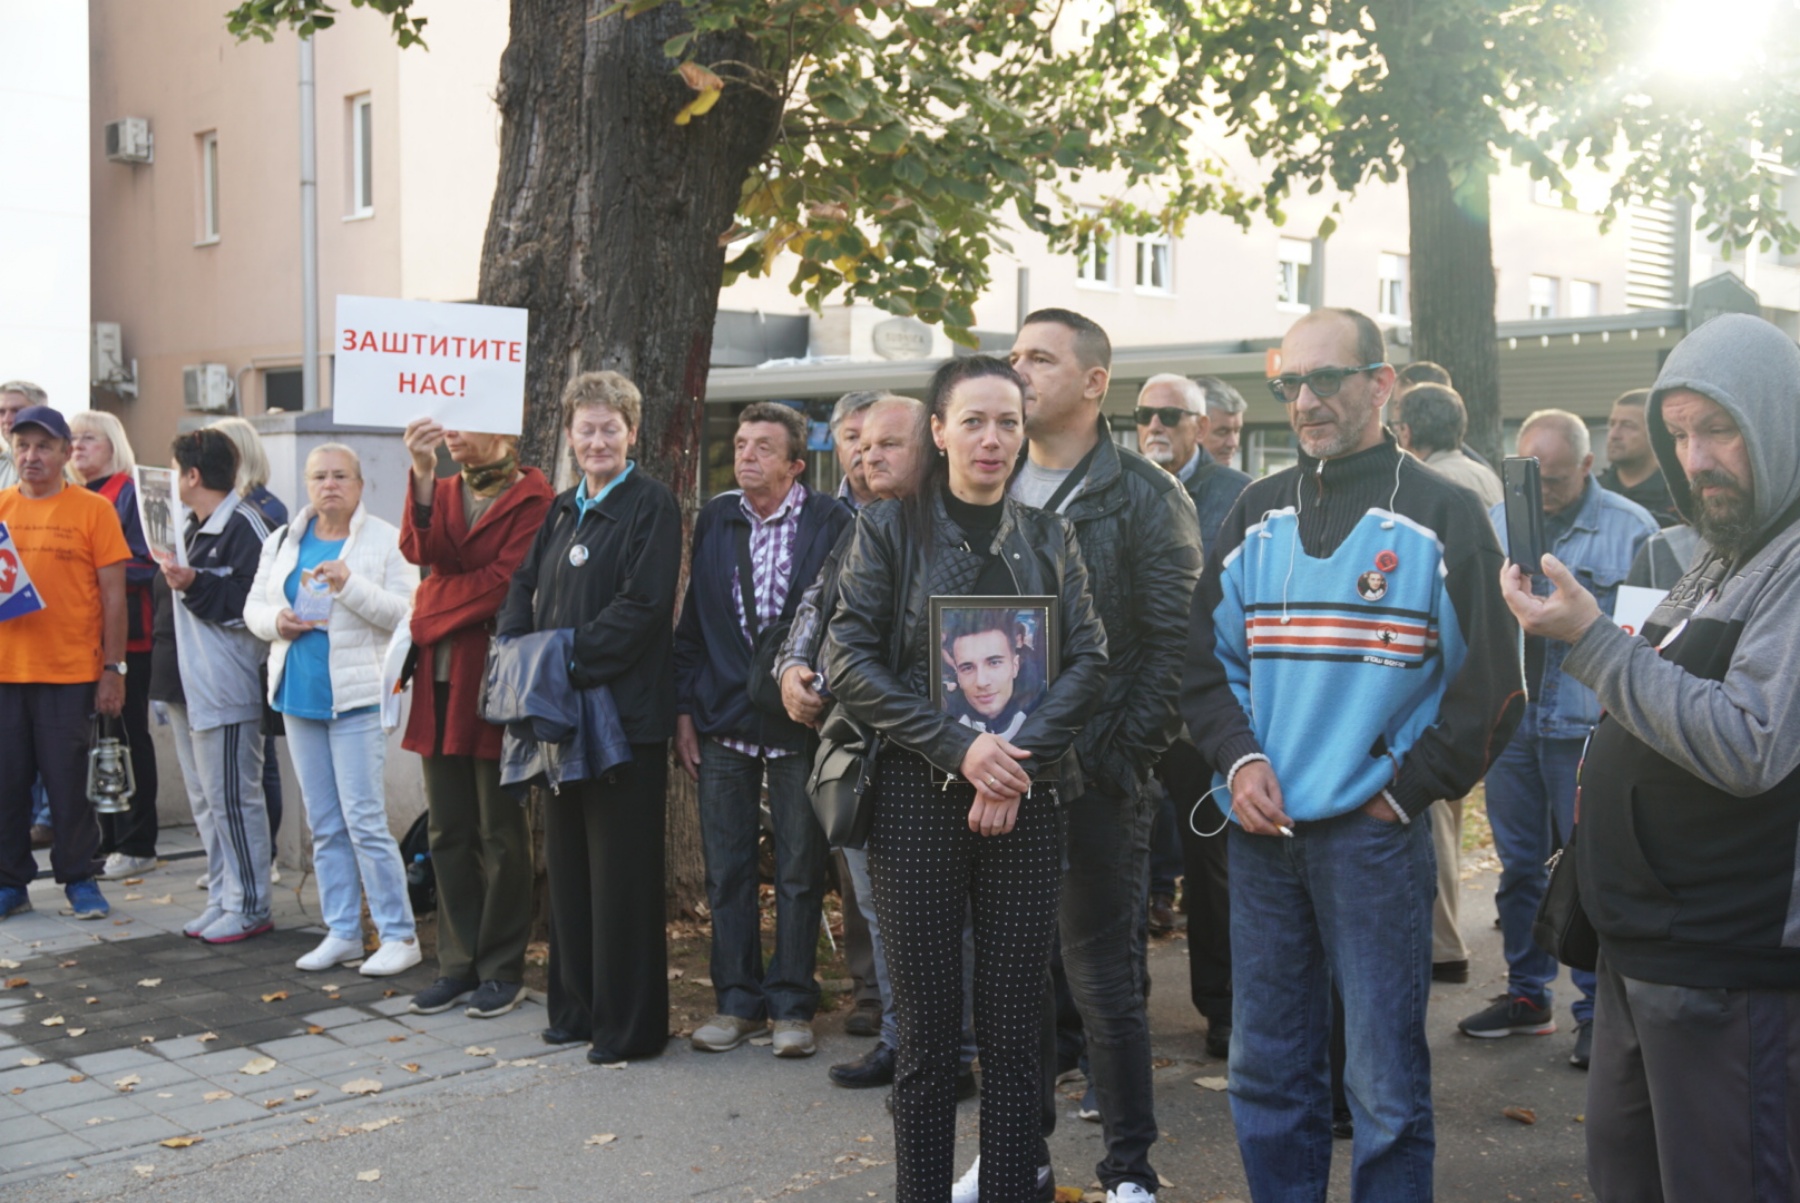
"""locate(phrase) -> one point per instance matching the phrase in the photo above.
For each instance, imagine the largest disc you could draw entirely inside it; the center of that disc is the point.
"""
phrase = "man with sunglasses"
(1350, 662)
(1172, 425)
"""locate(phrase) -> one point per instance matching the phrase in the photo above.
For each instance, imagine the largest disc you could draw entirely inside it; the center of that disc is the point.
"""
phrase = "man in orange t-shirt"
(58, 665)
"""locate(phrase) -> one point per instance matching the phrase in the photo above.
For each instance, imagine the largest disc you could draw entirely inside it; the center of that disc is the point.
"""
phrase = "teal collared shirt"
(584, 503)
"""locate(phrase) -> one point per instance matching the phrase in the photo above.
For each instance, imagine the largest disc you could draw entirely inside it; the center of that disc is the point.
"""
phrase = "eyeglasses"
(1324, 382)
(1170, 414)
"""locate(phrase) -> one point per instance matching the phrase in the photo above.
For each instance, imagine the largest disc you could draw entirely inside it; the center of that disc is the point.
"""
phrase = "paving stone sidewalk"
(119, 1033)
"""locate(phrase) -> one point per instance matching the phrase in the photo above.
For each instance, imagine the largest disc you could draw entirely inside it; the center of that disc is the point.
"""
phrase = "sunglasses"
(1171, 415)
(1324, 382)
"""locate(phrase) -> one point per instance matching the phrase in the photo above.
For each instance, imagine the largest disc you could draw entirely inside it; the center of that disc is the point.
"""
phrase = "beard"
(1159, 452)
(1726, 521)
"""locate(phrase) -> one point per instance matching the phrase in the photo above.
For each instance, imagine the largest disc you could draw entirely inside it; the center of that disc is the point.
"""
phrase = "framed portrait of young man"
(997, 656)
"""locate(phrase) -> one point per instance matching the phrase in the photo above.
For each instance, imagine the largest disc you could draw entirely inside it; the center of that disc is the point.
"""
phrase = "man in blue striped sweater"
(1350, 662)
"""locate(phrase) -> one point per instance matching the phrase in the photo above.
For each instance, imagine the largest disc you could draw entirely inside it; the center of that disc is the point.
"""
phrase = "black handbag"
(1562, 927)
(842, 781)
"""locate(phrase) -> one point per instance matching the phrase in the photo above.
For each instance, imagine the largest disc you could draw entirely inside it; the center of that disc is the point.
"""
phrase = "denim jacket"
(1598, 547)
(555, 732)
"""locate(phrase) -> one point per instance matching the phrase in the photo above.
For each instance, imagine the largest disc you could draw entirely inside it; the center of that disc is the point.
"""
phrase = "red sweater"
(468, 575)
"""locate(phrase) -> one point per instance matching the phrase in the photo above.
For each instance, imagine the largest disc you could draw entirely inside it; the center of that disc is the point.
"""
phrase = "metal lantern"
(110, 782)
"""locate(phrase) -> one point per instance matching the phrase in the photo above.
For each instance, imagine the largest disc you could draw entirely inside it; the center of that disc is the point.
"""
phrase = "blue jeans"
(857, 860)
(730, 819)
(1104, 929)
(339, 765)
(1531, 806)
(1346, 901)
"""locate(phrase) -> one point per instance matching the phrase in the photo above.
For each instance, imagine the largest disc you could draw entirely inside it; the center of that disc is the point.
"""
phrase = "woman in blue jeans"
(330, 591)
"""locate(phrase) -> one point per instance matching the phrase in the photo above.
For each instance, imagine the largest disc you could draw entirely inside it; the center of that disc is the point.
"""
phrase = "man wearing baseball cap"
(59, 664)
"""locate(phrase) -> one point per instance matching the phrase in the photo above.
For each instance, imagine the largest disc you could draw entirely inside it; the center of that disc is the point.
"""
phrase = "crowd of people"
(1268, 697)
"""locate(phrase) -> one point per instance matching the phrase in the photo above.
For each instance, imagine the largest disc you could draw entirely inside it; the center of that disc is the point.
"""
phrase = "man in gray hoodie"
(1689, 804)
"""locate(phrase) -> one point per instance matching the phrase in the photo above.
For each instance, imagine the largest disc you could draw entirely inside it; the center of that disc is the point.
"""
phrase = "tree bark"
(1453, 288)
(605, 225)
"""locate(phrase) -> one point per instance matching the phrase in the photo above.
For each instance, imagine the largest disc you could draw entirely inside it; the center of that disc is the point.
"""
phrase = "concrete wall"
(44, 136)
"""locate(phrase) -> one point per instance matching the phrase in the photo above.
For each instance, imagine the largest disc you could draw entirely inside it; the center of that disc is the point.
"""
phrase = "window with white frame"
(1543, 294)
(362, 157)
(1390, 299)
(208, 206)
(1156, 263)
(1096, 255)
(1584, 298)
(1293, 274)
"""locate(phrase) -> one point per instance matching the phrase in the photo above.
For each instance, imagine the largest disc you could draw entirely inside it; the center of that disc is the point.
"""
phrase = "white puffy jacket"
(373, 602)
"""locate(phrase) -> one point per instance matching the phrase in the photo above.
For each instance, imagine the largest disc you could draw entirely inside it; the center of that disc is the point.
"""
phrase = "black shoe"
(441, 995)
(1509, 1017)
(603, 1056)
(495, 998)
(865, 1020)
(873, 1068)
(561, 1036)
(1218, 1040)
(1342, 1126)
(1456, 972)
(1584, 1045)
(1162, 914)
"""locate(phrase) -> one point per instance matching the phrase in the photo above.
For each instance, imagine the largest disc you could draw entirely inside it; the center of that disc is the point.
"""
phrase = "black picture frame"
(1031, 627)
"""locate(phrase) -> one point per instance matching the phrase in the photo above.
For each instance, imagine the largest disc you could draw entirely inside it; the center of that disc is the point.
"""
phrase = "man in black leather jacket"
(1140, 537)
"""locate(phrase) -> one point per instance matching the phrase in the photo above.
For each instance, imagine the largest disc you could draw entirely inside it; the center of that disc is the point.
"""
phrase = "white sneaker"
(968, 1187)
(121, 865)
(331, 951)
(1129, 1192)
(394, 956)
(203, 881)
(274, 873)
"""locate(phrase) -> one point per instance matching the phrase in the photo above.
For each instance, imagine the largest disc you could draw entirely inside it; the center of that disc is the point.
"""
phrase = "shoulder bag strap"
(1055, 503)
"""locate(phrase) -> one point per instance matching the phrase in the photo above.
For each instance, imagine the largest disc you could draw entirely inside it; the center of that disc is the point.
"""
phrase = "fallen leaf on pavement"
(17, 983)
(376, 1125)
(478, 1050)
(55, 1021)
(179, 1142)
(275, 996)
(213, 1096)
(6, 964)
(30, 1061)
(677, 973)
(395, 1039)
(271, 1104)
(143, 1171)
(124, 1084)
(865, 1140)
(134, 898)
(1524, 1115)
(146, 1040)
(1166, 1184)
(90, 1000)
(150, 982)
(521, 1062)
(361, 1086)
(613, 1065)
(313, 1029)
(165, 900)
(390, 992)
(74, 1032)
(133, 881)
(369, 1176)
(69, 964)
(306, 1092)
(207, 1037)
(1212, 1083)
(762, 1041)
(604, 1138)
(258, 1065)
(77, 1077)
(411, 1067)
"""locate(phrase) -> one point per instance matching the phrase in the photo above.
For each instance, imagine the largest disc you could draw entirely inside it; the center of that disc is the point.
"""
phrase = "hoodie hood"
(1753, 370)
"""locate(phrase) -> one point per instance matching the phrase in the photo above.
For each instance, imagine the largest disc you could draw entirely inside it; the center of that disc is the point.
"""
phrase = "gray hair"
(342, 449)
(1573, 430)
(1220, 396)
(1191, 393)
(33, 393)
(851, 404)
(253, 461)
(107, 426)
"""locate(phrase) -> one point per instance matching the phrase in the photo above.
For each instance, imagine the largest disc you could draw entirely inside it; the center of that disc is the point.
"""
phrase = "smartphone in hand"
(1524, 513)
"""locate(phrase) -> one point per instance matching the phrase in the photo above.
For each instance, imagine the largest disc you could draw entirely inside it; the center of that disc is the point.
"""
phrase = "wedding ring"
(990, 781)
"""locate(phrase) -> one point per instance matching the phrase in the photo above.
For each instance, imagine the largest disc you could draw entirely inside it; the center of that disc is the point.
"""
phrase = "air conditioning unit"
(110, 371)
(207, 387)
(128, 140)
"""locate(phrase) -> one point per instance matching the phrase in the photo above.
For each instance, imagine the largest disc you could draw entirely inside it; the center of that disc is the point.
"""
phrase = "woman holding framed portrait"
(1001, 658)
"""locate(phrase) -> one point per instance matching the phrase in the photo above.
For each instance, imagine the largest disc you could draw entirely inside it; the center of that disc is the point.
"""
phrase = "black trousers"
(46, 733)
(927, 868)
(134, 832)
(1205, 879)
(609, 953)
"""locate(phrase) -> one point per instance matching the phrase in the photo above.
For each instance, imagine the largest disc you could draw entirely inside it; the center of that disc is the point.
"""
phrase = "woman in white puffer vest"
(329, 593)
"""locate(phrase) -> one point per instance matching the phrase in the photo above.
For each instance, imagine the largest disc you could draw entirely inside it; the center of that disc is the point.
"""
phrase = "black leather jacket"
(1139, 536)
(883, 577)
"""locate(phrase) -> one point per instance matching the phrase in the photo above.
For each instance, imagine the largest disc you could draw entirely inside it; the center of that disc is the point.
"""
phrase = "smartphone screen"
(1524, 513)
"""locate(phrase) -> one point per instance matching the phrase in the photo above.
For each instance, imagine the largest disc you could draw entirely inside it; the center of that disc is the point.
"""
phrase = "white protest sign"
(460, 365)
(1632, 606)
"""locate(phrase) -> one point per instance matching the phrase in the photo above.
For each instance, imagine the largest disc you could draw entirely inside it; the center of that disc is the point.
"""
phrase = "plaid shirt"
(772, 564)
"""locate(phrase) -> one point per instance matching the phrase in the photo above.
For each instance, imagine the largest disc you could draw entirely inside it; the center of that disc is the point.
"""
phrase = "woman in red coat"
(470, 531)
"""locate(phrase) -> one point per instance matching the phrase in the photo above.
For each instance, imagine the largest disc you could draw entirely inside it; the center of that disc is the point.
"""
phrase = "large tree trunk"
(1453, 289)
(605, 225)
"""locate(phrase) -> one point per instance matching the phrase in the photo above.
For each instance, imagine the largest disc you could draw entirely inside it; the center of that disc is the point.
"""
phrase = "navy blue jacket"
(712, 657)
